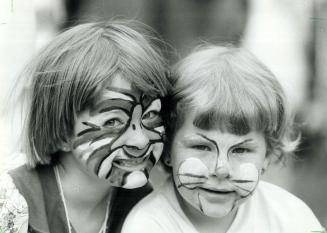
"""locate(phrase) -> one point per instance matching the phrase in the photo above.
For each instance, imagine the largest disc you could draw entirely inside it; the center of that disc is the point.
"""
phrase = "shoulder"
(284, 209)
(13, 207)
(280, 197)
(149, 215)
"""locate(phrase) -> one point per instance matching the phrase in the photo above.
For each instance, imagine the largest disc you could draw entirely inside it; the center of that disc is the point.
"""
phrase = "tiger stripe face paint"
(120, 138)
(214, 171)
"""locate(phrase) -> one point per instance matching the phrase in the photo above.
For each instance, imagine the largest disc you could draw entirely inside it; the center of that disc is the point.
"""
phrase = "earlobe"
(266, 163)
(167, 160)
(65, 147)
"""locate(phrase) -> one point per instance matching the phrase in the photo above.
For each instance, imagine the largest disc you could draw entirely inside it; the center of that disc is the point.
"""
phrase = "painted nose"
(222, 170)
(138, 143)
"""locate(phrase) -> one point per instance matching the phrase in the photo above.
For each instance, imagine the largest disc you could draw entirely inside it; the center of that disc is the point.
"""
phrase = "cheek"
(245, 179)
(192, 172)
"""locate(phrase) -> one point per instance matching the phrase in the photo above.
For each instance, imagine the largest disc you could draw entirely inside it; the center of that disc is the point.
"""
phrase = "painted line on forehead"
(129, 93)
(113, 104)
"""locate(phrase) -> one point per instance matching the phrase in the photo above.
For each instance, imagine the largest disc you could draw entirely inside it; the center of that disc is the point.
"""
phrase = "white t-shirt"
(270, 209)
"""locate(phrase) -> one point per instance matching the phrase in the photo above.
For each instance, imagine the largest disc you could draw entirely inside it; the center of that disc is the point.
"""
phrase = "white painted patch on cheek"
(192, 172)
(135, 179)
(246, 179)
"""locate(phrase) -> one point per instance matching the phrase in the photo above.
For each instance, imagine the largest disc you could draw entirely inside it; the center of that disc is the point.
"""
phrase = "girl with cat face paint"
(228, 120)
(94, 130)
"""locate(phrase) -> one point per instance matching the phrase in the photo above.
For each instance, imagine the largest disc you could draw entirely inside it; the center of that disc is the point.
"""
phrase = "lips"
(217, 191)
(132, 164)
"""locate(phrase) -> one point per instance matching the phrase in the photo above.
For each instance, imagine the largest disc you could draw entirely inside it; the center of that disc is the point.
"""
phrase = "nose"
(137, 144)
(222, 169)
(136, 140)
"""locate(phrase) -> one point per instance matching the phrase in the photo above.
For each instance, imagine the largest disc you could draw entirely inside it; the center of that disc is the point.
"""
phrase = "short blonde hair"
(68, 74)
(230, 89)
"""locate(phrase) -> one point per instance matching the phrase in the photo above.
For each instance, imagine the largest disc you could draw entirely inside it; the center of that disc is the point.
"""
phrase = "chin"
(214, 213)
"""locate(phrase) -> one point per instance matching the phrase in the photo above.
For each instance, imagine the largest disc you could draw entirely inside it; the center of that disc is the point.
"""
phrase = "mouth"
(132, 164)
(217, 191)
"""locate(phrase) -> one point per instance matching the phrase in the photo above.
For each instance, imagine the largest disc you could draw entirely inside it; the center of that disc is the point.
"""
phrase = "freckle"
(133, 127)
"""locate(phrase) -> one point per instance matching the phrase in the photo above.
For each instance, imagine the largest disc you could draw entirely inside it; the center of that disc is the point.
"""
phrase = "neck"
(81, 189)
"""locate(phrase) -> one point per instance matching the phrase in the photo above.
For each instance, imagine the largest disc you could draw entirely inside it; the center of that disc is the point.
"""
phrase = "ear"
(266, 163)
(65, 146)
(167, 160)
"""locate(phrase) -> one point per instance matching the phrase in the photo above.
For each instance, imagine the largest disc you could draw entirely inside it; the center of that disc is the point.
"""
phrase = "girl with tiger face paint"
(121, 137)
(93, 129)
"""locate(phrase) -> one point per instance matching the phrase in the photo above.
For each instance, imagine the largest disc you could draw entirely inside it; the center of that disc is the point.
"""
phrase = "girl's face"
(215, 171)
(120, 138)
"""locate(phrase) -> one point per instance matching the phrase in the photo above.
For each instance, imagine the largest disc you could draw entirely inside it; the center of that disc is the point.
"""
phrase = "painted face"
(121, 137)
(215, 171)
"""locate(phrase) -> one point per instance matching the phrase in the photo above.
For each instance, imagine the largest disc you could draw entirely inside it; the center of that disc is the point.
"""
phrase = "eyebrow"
(212, 141)
(113, 104)
(242, 142)
(208, 139)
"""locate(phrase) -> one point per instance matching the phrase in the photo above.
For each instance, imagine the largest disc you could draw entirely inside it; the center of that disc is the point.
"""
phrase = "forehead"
(188, 130)
(120, 88)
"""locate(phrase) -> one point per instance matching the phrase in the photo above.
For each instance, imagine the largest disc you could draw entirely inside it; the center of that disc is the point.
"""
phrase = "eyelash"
(201, 147)
(244, 150)
(106, 123)
(145, 116)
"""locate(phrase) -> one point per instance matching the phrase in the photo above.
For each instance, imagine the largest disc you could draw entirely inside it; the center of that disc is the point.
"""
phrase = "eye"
(114, 122)
(150, 115)
(201, 147)
(240, 150)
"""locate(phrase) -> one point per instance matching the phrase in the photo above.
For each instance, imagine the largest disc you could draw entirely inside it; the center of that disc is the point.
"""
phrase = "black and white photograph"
(163, 116)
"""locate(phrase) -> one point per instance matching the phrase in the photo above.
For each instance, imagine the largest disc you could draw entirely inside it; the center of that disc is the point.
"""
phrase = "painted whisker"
(191, 183)
(192, 175)
(243, 181)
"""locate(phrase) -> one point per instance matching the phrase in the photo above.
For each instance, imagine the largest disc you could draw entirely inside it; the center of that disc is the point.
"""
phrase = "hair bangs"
(143, 65)
(230, 99)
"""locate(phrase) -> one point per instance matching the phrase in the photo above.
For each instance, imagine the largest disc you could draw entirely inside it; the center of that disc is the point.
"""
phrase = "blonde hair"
(68, 74)
(230, 89)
